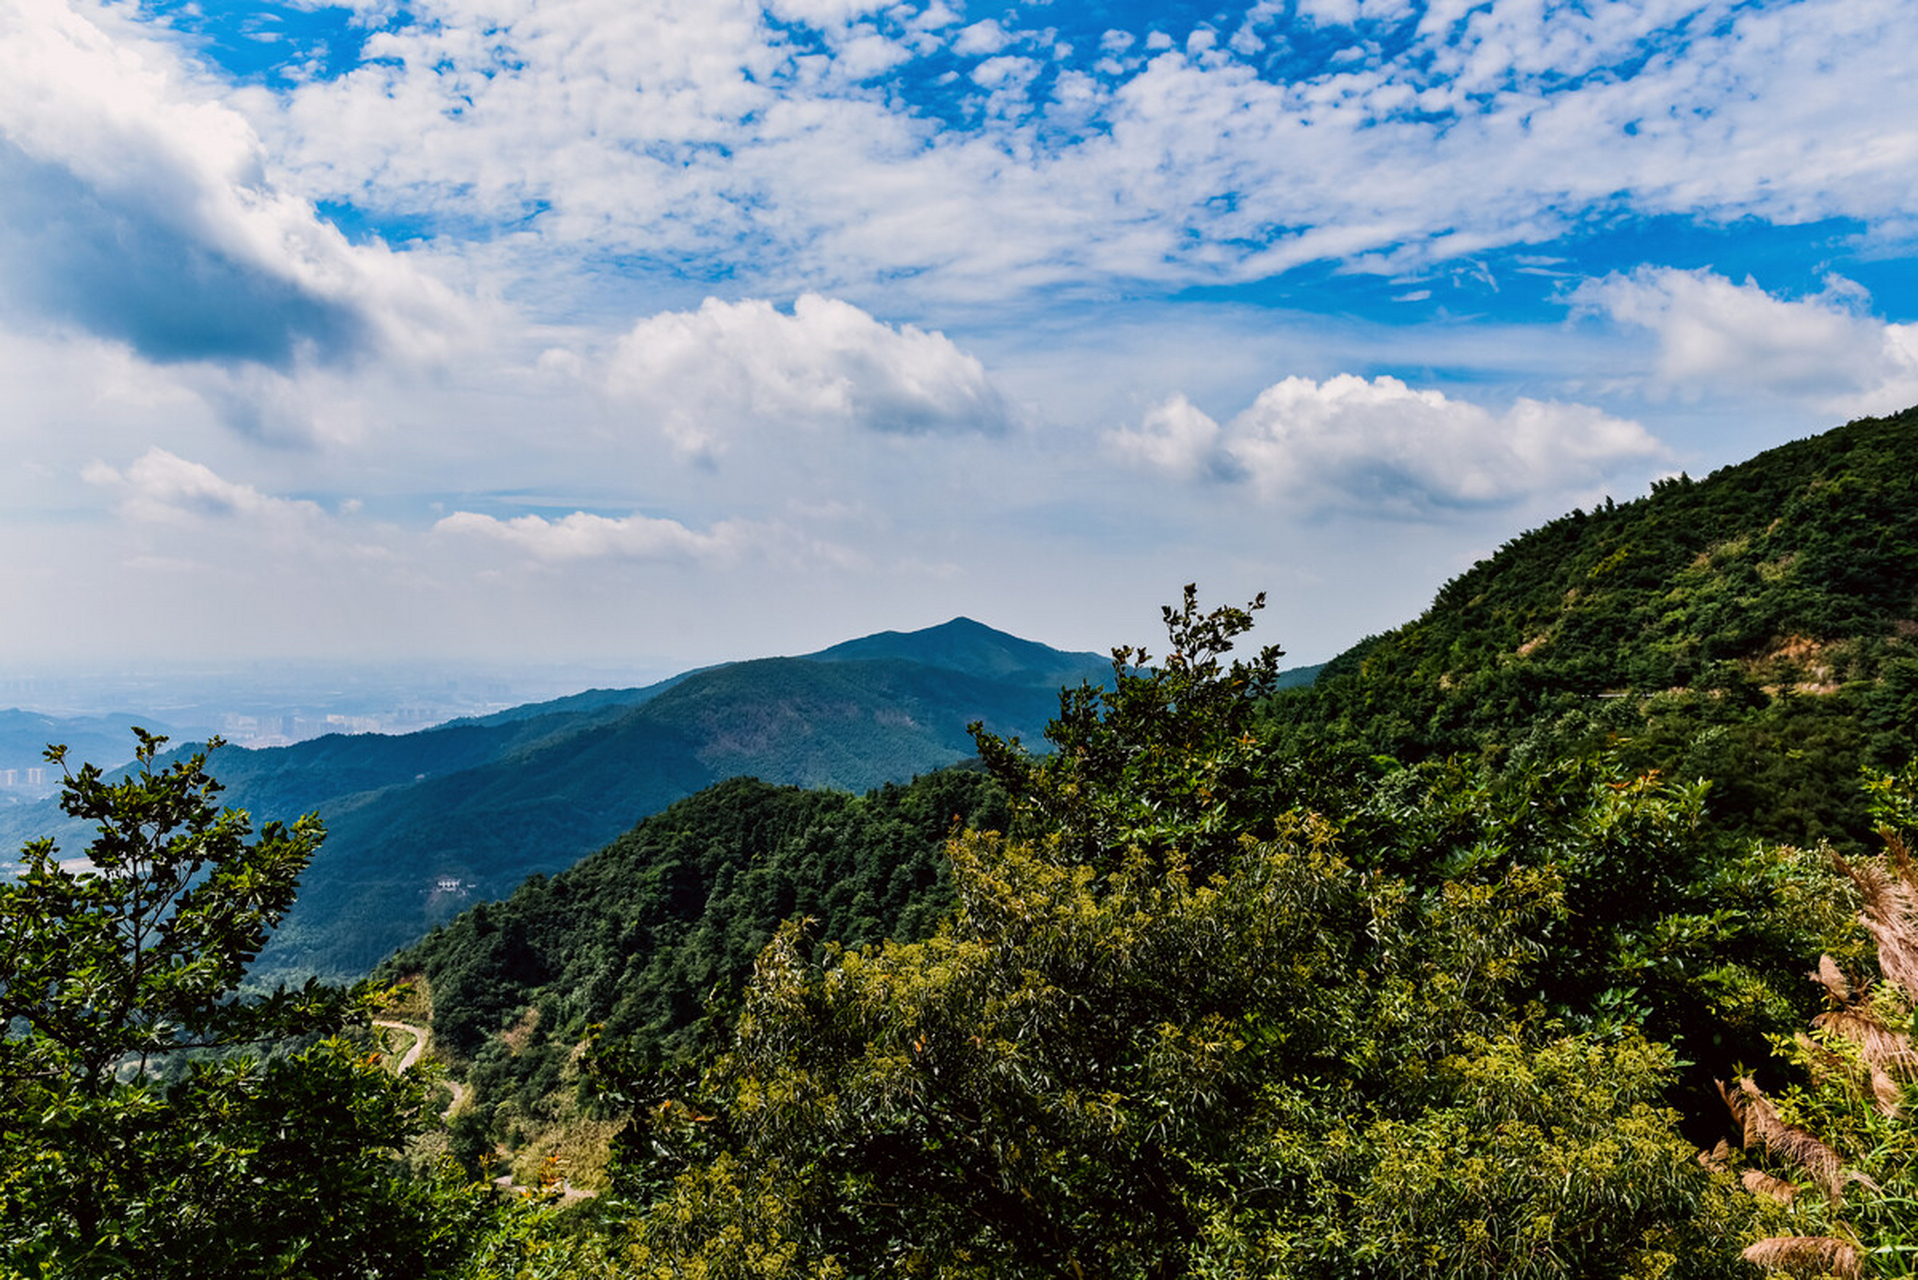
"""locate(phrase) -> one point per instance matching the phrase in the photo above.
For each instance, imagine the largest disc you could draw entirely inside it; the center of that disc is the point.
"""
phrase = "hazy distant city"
(261, 705)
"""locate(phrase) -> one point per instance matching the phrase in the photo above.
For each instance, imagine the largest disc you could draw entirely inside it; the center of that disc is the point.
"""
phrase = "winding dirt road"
(421, 1037)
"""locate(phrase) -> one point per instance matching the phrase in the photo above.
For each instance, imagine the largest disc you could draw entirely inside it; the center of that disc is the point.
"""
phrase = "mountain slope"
(660, 929)
(1758, 628)
(968, 647)
(423, 825)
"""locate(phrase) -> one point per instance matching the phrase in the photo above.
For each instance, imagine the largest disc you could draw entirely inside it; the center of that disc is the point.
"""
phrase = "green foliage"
(1668, 925)
(1535, 1159)
(135, 956)
(1836, 1147)
(644, 946)
(1151, 1078)
(1237, 1038)
(1163, 758)
(1893, 797)
(1754, 629)
(224, 1161)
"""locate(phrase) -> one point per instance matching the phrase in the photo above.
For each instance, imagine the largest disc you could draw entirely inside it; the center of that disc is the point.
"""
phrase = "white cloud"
(135, 205)
(585, 536)
(985, 37)
(1005, 73)
(705, 375)
(1383, 447)
(936, 15)
(1329, 12)
(599, 160)
(160, 488)
(867, 54)
(1727, 338)
(690, 130)
(1179, 439)
(825, 13)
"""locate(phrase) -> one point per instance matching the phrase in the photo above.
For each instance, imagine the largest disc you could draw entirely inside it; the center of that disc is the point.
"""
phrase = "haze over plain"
(680, 332)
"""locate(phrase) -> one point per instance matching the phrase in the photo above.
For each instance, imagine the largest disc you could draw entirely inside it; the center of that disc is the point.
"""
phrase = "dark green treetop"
(140, 953)
(141, 1132)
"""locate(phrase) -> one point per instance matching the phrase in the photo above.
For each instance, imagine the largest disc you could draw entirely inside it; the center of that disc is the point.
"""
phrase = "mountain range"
(421, 825)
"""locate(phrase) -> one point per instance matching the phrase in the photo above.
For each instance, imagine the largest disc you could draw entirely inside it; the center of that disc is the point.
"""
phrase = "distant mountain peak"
(967, 645)
(970, 629)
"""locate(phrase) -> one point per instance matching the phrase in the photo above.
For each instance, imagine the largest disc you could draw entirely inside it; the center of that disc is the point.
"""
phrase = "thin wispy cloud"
(585, 536)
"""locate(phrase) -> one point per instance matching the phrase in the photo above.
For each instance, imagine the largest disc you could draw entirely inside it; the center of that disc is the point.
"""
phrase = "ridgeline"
(1757, 629)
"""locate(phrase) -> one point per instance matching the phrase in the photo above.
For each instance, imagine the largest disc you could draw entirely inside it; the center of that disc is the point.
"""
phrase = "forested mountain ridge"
(1757, 628)
(575, 779)
(1198, 1007)
(1686, 632)
(960, 645)
(422, 825)
(1173, 998)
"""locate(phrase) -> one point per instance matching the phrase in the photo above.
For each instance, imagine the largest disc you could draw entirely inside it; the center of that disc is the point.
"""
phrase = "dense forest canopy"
(1758, 629)
(1181, 1023)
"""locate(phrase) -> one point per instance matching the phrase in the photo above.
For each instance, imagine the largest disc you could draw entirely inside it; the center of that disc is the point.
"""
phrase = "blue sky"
(665, 332)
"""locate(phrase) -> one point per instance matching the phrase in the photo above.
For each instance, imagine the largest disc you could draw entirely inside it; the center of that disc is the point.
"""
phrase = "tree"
(152, 1121)
(1175, 1028)
(1165, 758)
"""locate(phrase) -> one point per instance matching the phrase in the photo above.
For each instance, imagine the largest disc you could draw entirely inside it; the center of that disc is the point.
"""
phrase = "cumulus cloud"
(1384, 447)
(704, 375)
(134, 205)
(984, 37)
(824, 13)
(1181, 440)
(585, 536)
(1351, 12)
(1720, 336)
(162, 488)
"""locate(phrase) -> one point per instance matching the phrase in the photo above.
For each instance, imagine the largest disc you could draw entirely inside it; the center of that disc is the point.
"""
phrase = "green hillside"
(569, 785)
(659, 929)
(1200, 1007)
(1757, 628)
(424, 825)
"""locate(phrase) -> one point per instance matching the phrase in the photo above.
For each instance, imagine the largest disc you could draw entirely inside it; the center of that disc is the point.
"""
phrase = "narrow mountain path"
(421, 1036)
